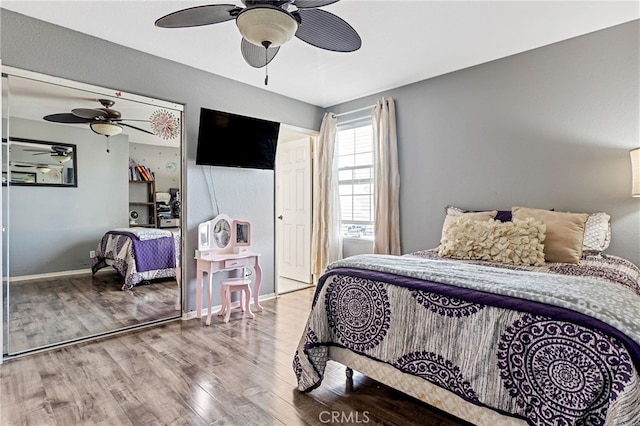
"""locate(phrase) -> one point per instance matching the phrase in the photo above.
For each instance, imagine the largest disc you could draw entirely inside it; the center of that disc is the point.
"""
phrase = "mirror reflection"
(242, 232)
(61, 216)
(222, 233)
(38, 163)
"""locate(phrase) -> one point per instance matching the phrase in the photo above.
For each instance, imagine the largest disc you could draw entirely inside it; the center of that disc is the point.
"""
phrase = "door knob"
(280, 217)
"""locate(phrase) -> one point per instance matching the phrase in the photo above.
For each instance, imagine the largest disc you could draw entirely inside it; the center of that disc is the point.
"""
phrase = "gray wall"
(160, 160)
(248, 194)
(548, 128)
(52, 229)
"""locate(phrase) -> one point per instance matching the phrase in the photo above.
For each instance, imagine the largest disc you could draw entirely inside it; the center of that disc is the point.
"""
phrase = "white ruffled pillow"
(457, 213)
(516, 243)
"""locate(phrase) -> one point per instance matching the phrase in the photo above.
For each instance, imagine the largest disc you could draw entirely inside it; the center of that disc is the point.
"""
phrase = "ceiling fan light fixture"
(60, 158)
(266, 24)
(106, 128)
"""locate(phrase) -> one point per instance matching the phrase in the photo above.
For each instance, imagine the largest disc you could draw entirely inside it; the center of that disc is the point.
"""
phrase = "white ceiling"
(402, 41)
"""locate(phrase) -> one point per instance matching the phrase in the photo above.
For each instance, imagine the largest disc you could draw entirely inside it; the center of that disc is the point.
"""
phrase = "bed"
(489, 342)
(139, 254)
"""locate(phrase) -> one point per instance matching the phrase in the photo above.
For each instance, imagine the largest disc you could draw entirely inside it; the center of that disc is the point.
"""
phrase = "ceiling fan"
(58, 153)
(265, 25)
(103, 121)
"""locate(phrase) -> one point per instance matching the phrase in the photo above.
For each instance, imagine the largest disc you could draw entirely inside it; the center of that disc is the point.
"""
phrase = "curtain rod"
(354, 111)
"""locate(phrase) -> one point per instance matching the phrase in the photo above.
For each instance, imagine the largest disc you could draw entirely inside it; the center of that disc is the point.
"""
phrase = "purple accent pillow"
(504, 215)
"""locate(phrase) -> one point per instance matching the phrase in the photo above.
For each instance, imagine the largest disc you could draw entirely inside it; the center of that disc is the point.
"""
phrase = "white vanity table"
(223, 245)
(210, 264)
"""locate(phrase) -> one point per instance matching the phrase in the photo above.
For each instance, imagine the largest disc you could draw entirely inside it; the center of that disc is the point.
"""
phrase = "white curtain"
(386, 178)
(326, 244)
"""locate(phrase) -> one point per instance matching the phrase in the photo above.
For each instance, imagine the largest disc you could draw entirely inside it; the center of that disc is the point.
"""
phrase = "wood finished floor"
(185, 373)
(54, 310)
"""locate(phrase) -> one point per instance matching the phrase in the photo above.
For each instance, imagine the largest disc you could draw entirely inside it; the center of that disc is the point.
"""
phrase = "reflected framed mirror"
(39, 163)
(67, 186)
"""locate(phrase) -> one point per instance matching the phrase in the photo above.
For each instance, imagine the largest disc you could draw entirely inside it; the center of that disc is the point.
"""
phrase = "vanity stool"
(227, 286)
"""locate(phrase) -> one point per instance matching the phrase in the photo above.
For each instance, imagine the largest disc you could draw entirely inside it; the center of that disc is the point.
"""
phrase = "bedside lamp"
(635, 170)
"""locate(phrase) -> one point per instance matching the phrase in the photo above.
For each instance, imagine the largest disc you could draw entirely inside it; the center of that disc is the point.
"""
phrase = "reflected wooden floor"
(47, 311)
(185, 373)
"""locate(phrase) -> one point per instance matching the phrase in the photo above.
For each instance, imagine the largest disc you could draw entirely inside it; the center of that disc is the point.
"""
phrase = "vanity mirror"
(242, 233)
(66, 186)
(215, 235)
(222, 233)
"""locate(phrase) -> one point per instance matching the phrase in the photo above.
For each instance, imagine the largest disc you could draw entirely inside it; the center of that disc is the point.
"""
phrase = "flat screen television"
(231, 140)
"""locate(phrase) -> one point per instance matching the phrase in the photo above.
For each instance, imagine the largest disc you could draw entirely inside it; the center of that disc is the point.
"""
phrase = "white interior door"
(293, 209)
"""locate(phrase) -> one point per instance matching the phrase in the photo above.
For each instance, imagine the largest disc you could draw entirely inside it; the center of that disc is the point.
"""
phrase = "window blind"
(355, 177)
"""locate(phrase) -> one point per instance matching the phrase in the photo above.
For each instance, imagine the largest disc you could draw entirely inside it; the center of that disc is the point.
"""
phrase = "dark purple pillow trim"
(502, 216)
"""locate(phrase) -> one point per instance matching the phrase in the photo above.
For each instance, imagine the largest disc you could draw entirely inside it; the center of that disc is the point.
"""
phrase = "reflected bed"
(139, 254)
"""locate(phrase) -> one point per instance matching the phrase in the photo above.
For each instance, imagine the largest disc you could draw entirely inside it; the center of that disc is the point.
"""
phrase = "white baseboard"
(54, 275)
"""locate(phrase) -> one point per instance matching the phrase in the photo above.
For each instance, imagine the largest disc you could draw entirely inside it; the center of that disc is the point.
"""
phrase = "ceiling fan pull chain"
(266, 45)
(108, 145)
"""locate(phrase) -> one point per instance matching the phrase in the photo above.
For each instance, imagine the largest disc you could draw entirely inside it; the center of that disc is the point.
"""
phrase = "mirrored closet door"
(91, 211)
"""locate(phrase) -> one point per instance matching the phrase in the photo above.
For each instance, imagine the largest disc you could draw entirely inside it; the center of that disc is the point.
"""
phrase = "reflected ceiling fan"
(265, 25)
(103, 121)
(58, 153)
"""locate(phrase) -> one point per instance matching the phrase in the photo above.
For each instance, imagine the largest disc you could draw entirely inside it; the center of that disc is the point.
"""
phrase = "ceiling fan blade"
(310, 4)
(137, 128)
(89, 113)
(199, 15)
(327, 31)
(111, 113)
(65, 118)
(256, 55)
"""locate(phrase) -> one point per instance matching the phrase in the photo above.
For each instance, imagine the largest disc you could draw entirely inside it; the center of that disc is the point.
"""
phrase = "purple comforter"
(138, 256)
(158, 253)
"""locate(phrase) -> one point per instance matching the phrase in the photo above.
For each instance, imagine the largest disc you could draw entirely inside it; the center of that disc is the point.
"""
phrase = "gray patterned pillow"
(597, 233)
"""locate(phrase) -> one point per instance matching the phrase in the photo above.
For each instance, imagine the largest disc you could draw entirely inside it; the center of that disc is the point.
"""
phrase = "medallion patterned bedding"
(139, 254)
(557, 344)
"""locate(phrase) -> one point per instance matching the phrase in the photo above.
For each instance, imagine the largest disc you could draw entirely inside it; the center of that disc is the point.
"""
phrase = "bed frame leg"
(349, 373)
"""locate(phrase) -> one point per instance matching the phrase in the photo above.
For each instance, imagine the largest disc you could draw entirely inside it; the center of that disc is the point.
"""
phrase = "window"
(355, 179)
